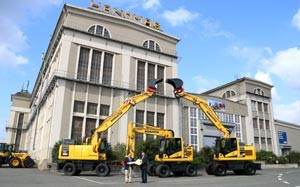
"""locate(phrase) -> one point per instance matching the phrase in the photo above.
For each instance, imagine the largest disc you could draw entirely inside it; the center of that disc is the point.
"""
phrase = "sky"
(220, 41)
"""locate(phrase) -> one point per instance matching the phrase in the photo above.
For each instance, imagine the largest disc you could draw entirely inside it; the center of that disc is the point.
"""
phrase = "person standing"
(143, 167)
(128, 168)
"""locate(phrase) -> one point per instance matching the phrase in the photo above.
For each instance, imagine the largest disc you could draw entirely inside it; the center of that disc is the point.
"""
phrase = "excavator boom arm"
(209, 112)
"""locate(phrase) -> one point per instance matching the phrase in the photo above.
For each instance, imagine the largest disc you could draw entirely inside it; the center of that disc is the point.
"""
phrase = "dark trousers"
(144, 175)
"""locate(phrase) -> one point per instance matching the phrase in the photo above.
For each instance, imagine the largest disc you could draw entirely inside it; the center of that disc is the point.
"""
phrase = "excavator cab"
(225, 146)
(169, 146)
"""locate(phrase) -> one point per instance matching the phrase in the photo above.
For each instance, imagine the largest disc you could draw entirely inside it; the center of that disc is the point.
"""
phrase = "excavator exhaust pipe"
(176, 83)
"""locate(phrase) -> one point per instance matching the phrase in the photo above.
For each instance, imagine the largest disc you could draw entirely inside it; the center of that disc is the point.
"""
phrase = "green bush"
(54, 153)
(268, 156)
(204, 157)
(294, 157)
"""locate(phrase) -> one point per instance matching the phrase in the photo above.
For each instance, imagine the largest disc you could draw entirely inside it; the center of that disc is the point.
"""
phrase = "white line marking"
(89, 180)
(280, 179)
(292, 171)
(285, 182)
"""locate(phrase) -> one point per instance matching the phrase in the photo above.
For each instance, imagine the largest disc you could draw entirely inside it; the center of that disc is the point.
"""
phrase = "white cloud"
(10, 59)
(203, 84)
(285, 64)
(213, 28)
(264, 77)
(251, 55)
(289, 112)
(296, 20)
(179, 17)
(151, 4)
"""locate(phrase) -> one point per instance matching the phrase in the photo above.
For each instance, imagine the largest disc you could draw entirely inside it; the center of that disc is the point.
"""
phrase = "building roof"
(235, 82)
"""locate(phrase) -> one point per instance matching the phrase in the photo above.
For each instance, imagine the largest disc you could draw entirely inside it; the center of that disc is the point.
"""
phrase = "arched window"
(259, 91)
(99, 30)
(150, 44)
(228, 93)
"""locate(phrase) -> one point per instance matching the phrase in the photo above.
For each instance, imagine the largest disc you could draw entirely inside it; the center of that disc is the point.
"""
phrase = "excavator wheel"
(28, 162)
(191, 170)
(151, 169)
(163, 171)
(210, 169)
(102, 170)
(220, 170)
(69, 169)
(1, 160)
(249, 169)
(15, 162)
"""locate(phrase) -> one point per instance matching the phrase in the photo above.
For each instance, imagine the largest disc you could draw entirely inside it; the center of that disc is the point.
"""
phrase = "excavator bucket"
(176, 83)
(153, 82)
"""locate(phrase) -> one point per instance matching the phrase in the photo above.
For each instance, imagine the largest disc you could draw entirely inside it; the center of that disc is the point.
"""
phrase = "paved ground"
(34, 178)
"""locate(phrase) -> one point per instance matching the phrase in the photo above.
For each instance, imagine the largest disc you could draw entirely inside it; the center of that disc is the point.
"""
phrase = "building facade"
(288, 137)
(95, 60)
(256, 95)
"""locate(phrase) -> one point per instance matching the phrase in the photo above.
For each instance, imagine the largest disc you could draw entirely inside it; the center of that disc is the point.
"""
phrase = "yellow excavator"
(91, 155)
(173, 156)
(230, 154)
(14, 159)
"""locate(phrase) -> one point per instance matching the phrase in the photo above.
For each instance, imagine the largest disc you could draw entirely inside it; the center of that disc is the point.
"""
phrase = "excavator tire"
(28, 162)
(220, 170)
(78, 171)
(69, 169)
(1, 161)
(163, 171)
(151, 169)
(249, 169)
(191, 170)
(14, 162)
(102, 170)
(210, 169)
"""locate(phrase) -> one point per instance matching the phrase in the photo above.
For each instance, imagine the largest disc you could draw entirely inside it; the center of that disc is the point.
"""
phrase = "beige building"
(97, 58)
(259, 123)
(288, 136)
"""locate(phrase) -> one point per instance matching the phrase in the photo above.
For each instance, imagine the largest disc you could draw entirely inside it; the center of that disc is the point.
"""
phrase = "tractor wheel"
(15, 162)
(102, 170)
(220, 170)
(69, 169)
(28, 162)
(210, 169)
(151, 169)
(249, 169)
(191, 170)
(163, 171)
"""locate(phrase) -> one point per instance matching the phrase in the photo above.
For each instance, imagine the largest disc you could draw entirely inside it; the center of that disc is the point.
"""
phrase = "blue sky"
(220, 42)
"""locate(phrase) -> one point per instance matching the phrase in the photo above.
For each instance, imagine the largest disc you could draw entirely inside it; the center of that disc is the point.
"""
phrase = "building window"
(141, 72)
(160, 75)
(263, 140)
(76, 132)
(259, 91)
(152, 45)
(95, 66)
(92, 108)
(267, 124)
(266, 108)
(253, 105)
(90, 127)
(141, 76)
(99, 30)
(104, 110)
(229, 93)
(150, 118)
(255, 126)
(83, 63)
(139, 119)
(19, 131)
(194, 127)
(78, 106)
(160, 120)
(107, 69)
(256, 140)
(269, 141)
(259, 104)
(261, 124)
